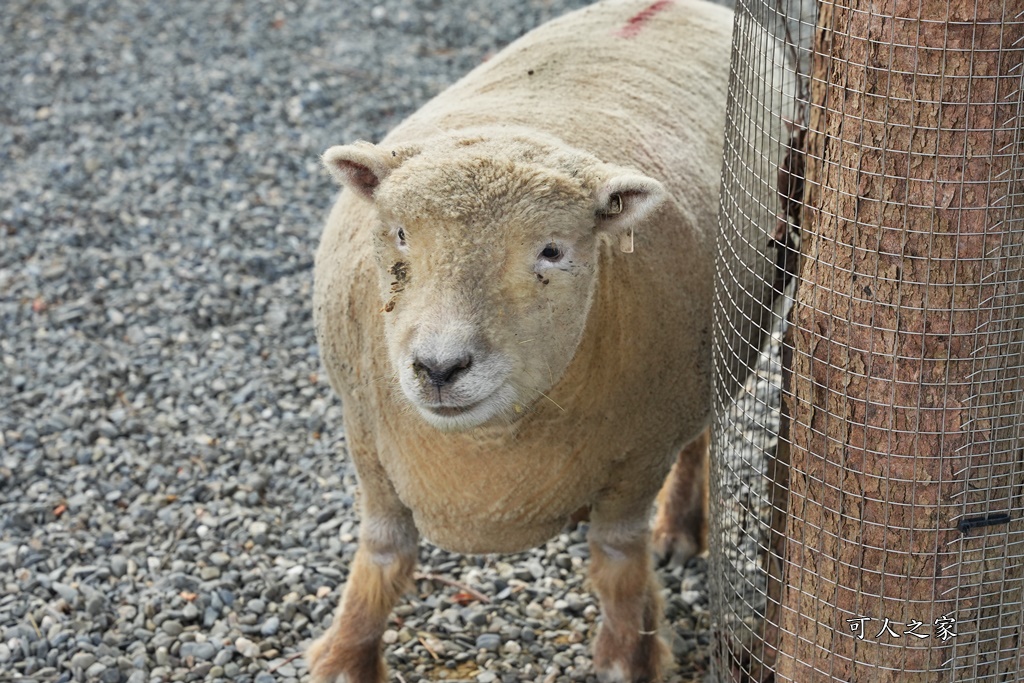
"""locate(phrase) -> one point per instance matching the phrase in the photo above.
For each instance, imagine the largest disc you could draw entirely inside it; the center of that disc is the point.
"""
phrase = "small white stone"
(247, 648)
(690, 597)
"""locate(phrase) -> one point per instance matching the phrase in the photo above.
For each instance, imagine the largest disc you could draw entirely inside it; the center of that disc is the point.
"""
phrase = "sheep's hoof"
(630, 660)
(617, 673)
(673, 547)
(331, 661)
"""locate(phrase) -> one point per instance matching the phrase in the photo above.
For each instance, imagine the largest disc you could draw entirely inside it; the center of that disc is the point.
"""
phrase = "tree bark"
(908, 385)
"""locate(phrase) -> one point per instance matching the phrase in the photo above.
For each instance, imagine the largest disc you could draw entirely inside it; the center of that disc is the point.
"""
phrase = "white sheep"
(502, 364)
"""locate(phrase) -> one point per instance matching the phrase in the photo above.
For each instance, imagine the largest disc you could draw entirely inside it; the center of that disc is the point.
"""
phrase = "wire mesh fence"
(868, 480)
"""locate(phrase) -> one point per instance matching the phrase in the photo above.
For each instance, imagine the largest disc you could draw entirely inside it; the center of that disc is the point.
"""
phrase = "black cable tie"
(969, 523)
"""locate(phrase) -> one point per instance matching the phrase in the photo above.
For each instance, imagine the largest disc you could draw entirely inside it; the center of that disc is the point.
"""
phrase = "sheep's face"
(488, 249)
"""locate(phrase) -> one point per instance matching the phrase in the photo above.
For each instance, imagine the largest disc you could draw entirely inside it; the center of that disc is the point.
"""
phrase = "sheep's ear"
(624, 200)
(362, 166)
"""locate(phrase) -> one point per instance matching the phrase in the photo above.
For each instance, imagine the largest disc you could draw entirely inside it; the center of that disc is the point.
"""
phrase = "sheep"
(513, 300)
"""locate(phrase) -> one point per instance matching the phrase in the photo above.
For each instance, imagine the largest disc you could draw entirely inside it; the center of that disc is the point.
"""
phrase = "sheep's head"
(487, 247)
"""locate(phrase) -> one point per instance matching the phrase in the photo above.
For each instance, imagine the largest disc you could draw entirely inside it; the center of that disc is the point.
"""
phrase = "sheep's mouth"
(455, 418)
(452, 411)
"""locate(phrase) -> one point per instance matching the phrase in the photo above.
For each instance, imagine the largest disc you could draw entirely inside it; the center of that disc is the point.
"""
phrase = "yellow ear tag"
(614, 208)
(626, 241)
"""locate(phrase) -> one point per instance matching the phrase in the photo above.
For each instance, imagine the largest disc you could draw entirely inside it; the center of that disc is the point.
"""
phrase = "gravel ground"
(175, 502)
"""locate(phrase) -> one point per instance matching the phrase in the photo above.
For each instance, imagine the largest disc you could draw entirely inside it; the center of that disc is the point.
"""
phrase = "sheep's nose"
(441, 372)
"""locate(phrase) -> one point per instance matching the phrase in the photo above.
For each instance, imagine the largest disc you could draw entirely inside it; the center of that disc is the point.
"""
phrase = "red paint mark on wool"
(637, 21)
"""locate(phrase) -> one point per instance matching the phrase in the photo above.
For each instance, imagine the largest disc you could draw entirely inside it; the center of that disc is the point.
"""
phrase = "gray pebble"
(96, 605)
(65, 591)
(220, 559)
(202, 651)
(209, 573)
(488, 641)
(118, 565)
(83, 660)
(270, 626)
(95, 671)
(172, 627)
(477, 617)
(111, 675)
(205, 651)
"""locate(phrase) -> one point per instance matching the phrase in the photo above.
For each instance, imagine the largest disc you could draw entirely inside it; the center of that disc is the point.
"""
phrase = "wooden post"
(907, 456)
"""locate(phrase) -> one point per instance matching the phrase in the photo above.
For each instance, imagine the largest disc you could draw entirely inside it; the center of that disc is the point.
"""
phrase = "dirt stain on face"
(400, 271)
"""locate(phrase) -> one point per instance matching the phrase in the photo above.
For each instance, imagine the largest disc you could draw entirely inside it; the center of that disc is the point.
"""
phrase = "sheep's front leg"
(350, 650)
(628, 648)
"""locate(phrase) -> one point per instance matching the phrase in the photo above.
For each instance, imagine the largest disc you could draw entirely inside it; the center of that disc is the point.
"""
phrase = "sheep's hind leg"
(681, 526)
(629, 648)
(350, 650)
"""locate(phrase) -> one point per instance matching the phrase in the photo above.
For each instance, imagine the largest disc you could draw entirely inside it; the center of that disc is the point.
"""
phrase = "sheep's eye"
(551, 253)
(401, 236)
